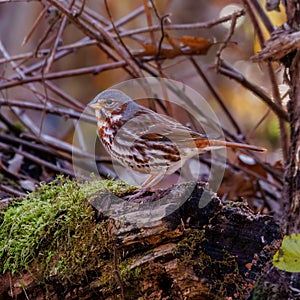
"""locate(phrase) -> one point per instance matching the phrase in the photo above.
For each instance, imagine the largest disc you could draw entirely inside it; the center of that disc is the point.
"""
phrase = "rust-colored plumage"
(146, 141)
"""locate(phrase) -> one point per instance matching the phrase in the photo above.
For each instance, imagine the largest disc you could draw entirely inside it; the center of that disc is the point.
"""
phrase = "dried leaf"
(150, 50)
(196, 45)
(15, 163)
(187, 45)
(27, 184)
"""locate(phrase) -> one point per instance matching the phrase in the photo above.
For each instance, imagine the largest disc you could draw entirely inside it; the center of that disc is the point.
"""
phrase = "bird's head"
(110, 102)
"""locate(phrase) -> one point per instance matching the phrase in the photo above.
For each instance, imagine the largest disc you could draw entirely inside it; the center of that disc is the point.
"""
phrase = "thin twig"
(262, 119)
(129, 58)
(96, 31)
(263, 16)
(274, 84)
(73, 103)
(59, 111)
(81, 7)
(129, 17)
(16, 57)
(43, 162)
(11, 191)
(35, 25)
(68, 73)
(255, 23)
(9, 139)
(228, 38)
(190, 26)
(55, 45)
(149, 19)
(44, 38)
(216, 95)
(158, 63)
(227, 70)
(18, 113)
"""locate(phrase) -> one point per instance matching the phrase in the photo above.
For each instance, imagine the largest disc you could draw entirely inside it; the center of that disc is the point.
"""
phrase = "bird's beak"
(94, 104)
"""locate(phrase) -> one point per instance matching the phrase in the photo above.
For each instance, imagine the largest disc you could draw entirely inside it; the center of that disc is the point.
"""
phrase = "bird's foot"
(146, 195)
(141, 196)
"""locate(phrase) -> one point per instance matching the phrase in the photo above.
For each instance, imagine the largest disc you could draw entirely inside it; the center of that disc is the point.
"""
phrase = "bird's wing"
(150, 125)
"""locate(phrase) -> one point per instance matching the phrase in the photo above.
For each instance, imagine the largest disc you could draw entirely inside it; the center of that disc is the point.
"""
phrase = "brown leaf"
(150, 50)
(196, 45)
(187, 45)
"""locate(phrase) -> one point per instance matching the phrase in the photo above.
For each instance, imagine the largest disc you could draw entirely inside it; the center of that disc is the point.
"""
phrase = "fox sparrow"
(146, 141)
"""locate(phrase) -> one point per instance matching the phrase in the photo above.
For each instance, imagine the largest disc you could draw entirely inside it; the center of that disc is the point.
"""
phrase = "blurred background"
(17, 19)
(54, 57)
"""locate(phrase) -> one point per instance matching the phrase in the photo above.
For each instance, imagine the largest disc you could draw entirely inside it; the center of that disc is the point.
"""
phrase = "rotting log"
(214, 252)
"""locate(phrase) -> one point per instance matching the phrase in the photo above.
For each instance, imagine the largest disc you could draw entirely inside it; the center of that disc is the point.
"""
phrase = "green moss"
(117, 187)
(52, 232)
(188, 246)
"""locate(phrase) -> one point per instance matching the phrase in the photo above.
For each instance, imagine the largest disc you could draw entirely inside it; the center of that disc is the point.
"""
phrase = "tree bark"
(292, 175)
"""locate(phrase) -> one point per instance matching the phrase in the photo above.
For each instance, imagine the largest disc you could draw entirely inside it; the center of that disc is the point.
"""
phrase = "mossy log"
(215, 251)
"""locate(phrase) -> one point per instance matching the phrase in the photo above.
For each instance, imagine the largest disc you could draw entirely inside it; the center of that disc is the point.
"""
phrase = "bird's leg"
(152, 180)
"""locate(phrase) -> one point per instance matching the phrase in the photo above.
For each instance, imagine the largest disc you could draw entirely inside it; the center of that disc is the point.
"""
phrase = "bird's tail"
(216, 143)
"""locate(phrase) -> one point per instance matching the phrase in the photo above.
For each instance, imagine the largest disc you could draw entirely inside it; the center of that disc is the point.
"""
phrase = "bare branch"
(227, 70)
(59, 111)
(216, 95)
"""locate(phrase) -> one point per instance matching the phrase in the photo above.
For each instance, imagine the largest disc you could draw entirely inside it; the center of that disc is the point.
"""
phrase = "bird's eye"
(109, 101)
